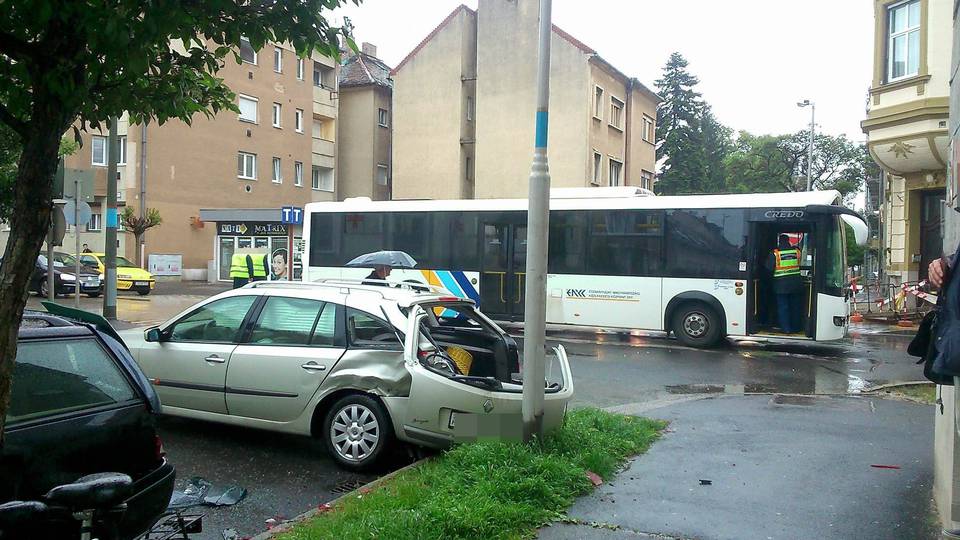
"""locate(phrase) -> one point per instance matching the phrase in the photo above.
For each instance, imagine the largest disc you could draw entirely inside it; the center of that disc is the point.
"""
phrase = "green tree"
(771, 163)
(9, 156)
(69, 63)
(717, 145)
(139, 225)
(679, 138)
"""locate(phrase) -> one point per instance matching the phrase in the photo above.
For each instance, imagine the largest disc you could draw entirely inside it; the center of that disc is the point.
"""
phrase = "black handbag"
(923, 345)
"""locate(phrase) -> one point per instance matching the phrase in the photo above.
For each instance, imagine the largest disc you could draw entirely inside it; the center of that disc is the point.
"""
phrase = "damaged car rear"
(359, 366)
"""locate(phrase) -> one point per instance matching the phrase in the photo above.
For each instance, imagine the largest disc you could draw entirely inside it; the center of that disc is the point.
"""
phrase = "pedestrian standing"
(260, 266)
(379, 275)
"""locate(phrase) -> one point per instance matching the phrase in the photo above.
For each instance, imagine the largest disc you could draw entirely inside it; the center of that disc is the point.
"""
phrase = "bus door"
(763, 317)
(503, 269)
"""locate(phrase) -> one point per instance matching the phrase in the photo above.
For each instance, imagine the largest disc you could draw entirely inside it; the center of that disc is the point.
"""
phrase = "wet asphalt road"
(287, 475)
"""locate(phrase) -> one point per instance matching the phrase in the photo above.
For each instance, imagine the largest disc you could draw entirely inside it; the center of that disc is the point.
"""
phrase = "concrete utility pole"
(538, 222)
(76, 237)
(110, 247)
(813, 109)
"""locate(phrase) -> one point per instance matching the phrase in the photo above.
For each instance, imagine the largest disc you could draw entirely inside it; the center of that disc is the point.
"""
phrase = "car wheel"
(696, 325)
(143, 292)
(357, 431)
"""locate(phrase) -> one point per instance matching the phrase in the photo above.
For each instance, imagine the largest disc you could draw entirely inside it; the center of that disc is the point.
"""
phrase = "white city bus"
(695, 266)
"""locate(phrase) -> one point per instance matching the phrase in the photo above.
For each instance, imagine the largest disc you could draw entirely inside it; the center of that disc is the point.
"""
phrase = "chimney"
(368, 49)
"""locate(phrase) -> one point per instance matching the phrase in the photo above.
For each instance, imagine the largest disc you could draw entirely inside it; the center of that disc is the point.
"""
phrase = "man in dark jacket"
(947, 330)
(378, 276)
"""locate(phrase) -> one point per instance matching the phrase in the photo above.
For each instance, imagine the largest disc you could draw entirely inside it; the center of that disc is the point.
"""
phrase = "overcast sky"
(755, 58)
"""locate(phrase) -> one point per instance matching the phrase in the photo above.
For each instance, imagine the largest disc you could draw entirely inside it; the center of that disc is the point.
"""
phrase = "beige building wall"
(506, 102)
(642, 149)
(465, 109)
(428, 109)
(364, 144)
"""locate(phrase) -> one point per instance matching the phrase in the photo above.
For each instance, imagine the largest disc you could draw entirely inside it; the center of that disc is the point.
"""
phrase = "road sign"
(291, 215)
(68, 212)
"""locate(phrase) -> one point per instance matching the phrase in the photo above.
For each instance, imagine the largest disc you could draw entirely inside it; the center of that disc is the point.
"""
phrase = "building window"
(616, 113)
(247, 54)
(646, 180)
(278, 59)
(381, 174)
(99, 145)
(382, 118)
(248, 108)
(469, 109)
(297, 173)
(247, 165)
(317, 128)
(597, 168)
(598, 103)
(903, 40)
(323, 76)
(299, 69)
(648, 129)
(322, 178)
(615, 168)
(96, 223)
(121, 150)
(276, 115)
(298, 120)
(277, 171)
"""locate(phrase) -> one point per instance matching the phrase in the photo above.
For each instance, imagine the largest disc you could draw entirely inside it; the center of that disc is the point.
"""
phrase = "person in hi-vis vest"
(787, 285)
(241, 269)
(261, 266)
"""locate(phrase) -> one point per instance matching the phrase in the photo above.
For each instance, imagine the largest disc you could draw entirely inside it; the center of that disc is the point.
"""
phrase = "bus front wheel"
(696, 325)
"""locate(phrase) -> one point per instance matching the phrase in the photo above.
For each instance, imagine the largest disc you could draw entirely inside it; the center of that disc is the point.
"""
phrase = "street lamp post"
(534, 320)
(813, 109)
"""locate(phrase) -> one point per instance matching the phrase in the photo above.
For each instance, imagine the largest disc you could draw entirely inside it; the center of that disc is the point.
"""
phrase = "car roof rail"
(340, 282)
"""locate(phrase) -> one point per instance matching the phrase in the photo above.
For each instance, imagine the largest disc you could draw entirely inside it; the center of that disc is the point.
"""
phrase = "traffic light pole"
(110, 247)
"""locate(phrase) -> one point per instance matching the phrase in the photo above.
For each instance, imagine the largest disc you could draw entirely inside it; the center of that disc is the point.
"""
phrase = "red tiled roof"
(422, 44)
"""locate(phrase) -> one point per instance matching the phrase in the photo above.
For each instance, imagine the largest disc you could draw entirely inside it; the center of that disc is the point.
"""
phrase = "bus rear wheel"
(696, 324)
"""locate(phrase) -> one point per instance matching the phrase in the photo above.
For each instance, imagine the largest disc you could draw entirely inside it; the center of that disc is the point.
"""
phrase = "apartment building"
(906, 128)
(366, 124)
(464, 104)
(908, 136)
(280, 150)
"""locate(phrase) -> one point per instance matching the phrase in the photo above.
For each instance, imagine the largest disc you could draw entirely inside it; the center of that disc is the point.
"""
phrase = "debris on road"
(594, 478)
(897, 467)
(706, 482)
(200, 492)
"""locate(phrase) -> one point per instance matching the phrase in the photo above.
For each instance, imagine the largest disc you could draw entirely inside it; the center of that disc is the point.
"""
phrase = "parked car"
(358, 365)
(130, 277)
(65, 277)
(79, 405)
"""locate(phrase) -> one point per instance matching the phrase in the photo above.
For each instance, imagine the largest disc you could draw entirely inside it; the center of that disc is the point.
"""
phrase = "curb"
(893, 385)
(290, 523)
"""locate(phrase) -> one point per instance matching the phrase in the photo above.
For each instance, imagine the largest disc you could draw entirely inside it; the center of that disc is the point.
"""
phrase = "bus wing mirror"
(860, 229)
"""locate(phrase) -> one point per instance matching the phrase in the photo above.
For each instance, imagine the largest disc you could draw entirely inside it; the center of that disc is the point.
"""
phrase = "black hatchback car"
(65, 278)
(80, 405)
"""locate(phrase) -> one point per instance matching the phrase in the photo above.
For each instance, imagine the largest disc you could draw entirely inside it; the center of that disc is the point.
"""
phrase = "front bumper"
(134, 284)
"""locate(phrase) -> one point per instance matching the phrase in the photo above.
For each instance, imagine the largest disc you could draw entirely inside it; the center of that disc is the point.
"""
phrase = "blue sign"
(291, 215)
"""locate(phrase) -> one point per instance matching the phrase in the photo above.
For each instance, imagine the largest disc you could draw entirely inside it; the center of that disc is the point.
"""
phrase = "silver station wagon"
(360, 365)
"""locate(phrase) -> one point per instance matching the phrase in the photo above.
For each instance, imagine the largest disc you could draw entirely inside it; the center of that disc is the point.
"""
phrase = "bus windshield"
(835, 272)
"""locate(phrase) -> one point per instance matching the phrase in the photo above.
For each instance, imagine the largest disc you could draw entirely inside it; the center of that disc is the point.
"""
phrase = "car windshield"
(122, 261)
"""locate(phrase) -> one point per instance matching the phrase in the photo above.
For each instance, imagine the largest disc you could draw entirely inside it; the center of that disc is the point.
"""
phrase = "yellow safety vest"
(238, 266)
(787, 262)
(260, 266)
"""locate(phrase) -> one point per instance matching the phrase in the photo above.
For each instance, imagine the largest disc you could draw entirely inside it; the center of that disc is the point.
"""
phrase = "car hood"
(134, 273)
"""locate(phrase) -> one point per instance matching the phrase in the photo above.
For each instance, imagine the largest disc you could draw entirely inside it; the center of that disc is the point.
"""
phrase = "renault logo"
(487, 406)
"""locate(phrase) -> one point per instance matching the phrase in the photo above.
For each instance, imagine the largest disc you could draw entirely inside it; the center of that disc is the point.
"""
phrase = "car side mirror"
(153, 335)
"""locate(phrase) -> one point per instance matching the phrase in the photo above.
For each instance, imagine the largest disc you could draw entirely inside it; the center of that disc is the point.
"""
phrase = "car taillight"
(422, 355)
(158, 448)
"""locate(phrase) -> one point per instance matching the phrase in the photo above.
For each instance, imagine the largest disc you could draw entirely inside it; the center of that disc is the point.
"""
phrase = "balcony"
(323, 102)
(909, 136)
(324, 147)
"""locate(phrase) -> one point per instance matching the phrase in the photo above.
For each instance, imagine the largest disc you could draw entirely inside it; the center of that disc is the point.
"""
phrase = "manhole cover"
(794, 400)
(346, 486)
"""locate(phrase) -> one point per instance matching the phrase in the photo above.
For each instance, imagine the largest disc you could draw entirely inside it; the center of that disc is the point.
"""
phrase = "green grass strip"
(490, 489)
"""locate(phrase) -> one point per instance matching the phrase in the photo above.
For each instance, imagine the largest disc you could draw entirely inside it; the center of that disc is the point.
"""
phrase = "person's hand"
(935, 272)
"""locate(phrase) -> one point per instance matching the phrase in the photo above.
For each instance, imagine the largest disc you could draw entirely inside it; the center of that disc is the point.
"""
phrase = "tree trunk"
(137, 238)
(32, 208)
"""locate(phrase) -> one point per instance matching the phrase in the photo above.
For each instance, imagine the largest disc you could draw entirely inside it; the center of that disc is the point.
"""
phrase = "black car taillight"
(159, 452)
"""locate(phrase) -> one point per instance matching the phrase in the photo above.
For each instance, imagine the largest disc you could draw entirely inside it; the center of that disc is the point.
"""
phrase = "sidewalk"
(779, 467)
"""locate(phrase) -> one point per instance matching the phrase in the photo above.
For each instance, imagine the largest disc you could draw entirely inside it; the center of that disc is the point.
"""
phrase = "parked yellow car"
(130, 277)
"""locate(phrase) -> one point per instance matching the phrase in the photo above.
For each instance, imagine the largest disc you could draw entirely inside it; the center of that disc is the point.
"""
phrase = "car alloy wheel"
(355, 432)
